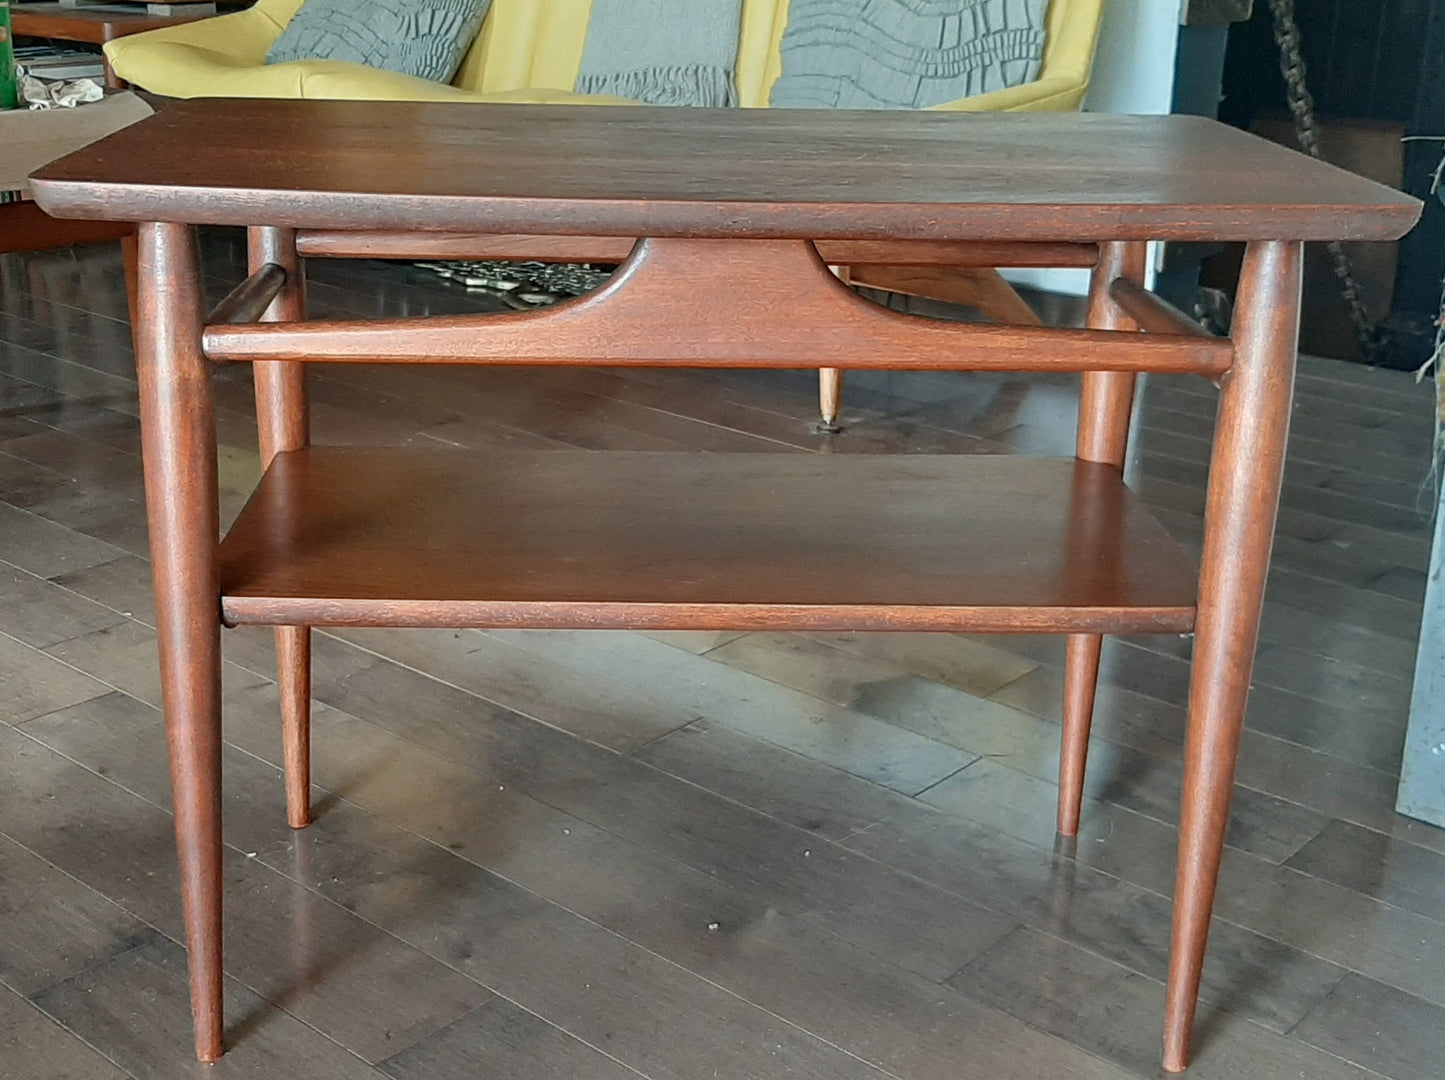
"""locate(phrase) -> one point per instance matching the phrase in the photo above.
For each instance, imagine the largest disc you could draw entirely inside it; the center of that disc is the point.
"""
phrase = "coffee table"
(95, 23)
(734, 207)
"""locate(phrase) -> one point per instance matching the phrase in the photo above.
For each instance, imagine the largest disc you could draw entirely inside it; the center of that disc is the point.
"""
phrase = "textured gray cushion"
(663, 52)
(426, 38)
(906, 54)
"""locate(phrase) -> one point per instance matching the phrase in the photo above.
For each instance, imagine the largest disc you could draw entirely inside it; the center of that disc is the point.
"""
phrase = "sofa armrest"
(179, 70)
(242, 36)
(1057, 94)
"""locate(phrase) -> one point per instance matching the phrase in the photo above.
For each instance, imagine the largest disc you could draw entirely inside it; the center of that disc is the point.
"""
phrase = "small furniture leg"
(830, 397)
(1106, 400)
(283, 424)
(179, 446)
(830, 380)
(1239, 517)
(130, 260)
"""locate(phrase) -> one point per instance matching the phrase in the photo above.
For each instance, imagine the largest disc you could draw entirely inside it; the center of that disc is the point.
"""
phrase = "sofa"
(528, 51)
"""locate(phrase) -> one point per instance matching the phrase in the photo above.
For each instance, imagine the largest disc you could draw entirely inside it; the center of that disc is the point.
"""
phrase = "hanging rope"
(1306, 129)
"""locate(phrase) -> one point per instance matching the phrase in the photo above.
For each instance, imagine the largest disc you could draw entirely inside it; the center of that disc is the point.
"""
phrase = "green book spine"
(9, 90)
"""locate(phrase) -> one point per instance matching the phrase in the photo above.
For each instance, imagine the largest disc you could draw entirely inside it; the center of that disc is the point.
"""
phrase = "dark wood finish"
(344, 536)
(130, 268)
(26, 227)
(503, 538)
(640, 317)
(765, 173)
(246, 302)
(615, 249)
(1106, 401)
(283, 424)
(981, 288)
(1150, 312)
(179, 442)
(861, 698)
(1243, 499)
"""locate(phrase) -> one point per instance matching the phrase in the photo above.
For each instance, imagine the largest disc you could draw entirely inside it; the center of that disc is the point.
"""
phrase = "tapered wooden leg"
(830, 380)
(1081, 680)
(830, 396)
(178, 438)
(1106, 399)
(283, 423)
(130, 260)
(1242, 501)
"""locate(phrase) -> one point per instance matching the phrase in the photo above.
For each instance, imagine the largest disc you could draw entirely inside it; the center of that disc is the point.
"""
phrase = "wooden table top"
(631, 171)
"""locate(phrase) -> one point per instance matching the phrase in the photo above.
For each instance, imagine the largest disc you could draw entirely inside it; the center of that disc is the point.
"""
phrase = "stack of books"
(52, 63)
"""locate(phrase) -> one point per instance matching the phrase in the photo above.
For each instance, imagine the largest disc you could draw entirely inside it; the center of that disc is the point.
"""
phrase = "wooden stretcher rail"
(1152, 313)
(249, 300)
(335, 244)
(759, 304)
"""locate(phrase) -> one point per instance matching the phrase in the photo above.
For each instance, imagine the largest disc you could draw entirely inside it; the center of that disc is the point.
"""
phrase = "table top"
(644, 171)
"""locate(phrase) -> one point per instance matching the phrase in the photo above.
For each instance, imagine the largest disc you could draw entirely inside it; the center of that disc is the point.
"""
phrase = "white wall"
(1133, 73)
(1134, 62)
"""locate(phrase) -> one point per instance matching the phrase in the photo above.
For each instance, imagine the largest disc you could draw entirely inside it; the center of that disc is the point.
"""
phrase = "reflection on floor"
(598, 855)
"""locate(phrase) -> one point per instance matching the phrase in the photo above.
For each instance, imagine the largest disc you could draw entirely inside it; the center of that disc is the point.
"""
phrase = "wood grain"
(1243, 500)
(769, 303)
(399, 244)
(1106, 402)
(283, 423)
(1321, 683)
(179, 439)
(248, 300)
(628, 171)
(1149, 312)
(356, 536)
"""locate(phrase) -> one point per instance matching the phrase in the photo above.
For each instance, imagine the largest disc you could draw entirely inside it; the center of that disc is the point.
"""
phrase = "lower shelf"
(374, 536)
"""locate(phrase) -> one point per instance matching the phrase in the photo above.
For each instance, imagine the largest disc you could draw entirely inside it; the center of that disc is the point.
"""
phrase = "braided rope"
(1302, 108)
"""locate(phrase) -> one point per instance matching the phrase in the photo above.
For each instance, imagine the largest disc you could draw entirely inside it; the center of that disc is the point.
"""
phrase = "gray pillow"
(426, 38)
(906, 54)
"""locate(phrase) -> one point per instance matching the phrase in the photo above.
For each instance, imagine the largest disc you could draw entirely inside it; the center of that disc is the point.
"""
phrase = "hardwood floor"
(609, 855)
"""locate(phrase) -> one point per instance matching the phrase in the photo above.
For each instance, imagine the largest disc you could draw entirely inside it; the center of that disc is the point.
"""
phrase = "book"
(48, 62)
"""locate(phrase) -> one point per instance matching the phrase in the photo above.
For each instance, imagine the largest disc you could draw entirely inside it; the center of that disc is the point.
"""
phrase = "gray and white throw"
(427, 40)
(663, 52)
(906, 54)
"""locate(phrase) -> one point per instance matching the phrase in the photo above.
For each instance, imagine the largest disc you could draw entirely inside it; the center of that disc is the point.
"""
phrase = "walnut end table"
(756, 204)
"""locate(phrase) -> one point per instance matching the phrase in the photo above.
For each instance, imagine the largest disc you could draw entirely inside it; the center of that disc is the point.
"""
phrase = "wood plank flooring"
(610, 855)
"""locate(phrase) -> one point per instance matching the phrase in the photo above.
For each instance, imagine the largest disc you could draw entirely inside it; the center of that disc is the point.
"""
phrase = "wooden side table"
(95, 24)
(735, 199)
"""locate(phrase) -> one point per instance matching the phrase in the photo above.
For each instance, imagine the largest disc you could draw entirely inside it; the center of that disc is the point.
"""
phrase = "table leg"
(830, 381)
(1242, 501)
(1106, 401)
(283, 424)
(130, 260)
(178, 436)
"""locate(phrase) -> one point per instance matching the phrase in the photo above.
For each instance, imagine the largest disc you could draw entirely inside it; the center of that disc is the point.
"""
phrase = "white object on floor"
(64, 94)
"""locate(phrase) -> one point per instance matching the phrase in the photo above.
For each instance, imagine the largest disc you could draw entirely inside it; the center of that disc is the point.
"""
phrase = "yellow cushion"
(528, 50)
